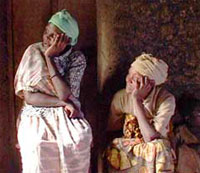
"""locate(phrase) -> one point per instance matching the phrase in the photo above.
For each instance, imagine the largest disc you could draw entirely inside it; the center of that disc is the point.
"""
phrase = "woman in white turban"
(53, 135)
(144, 110)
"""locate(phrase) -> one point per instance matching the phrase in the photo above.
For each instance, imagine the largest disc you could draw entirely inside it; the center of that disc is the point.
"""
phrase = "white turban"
(151, 67)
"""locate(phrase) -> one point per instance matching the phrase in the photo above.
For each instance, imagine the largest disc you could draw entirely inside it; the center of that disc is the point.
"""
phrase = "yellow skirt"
(131, 156)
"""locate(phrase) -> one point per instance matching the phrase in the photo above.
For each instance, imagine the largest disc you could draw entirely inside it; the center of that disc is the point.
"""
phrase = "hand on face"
(142, 88)
(139, 86)
(57, 44)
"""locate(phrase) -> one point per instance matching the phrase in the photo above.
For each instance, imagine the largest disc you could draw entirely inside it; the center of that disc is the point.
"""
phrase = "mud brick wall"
(169, 30)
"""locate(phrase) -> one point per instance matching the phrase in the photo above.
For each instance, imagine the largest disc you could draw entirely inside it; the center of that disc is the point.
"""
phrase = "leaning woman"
(53, 135)
(144, 110)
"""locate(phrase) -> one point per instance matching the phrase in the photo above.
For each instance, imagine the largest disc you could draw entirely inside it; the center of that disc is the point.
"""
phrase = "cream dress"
(130, 154)
(50, 141)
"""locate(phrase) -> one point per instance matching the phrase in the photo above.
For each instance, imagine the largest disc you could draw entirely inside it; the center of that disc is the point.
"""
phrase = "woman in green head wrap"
(62, 23)
(53, 134)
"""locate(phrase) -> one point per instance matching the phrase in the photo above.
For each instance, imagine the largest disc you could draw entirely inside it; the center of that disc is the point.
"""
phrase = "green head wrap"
(67, 24)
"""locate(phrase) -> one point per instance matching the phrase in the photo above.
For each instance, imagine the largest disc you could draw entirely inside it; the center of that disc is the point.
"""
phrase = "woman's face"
(49, 34)
(130, 78)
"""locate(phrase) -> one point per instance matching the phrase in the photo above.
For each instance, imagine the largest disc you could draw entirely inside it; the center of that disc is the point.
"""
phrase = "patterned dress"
(50, 141)
(130, 154)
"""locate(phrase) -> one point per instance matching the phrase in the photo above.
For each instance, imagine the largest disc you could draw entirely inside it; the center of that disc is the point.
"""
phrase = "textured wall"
(4, 97)
(169, 30)
(7, 129)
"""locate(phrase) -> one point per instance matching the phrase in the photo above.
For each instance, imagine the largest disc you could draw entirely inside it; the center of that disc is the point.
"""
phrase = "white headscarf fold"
(152, 67)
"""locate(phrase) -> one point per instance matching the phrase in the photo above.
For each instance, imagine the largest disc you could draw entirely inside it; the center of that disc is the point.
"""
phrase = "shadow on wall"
(166, 29)
(186, 139)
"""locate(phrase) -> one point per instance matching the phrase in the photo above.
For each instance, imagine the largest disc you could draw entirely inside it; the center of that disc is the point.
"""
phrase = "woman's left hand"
(59, 43)
(142, 87)
(71, 110)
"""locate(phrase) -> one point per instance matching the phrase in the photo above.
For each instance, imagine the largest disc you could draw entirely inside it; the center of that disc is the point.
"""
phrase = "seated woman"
(53, 134)
(144, 110)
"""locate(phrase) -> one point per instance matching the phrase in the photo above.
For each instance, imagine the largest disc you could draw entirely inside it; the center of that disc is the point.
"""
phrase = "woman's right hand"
(142, 87)
(58, 45)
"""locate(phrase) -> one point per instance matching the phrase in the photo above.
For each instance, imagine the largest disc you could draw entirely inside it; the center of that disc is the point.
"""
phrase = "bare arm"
(142, 89)
(40, 99)
(63, 91)
(60, 42)
(147, 130)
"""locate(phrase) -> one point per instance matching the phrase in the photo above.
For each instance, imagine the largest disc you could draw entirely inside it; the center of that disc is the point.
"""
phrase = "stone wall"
(7, 119)
(169, 30)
